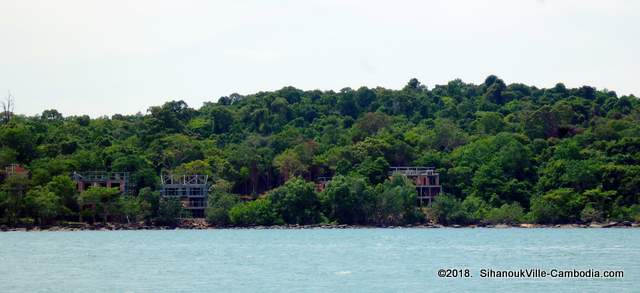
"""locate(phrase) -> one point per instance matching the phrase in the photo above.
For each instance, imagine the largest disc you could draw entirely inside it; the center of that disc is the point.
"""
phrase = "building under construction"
(191, 190)
(18, 172)
(85, 180)
(14, 170)
(426, 179)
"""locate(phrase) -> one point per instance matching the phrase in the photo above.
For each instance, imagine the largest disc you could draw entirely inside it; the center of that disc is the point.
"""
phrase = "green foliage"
(449, 210)
(65, 189)
(475, 209)
(152, 201)
(257, 212)
(102, 199)
(14, 188)
(590, 214)
(395, 202)
(557, 206)
(562, 154)
(297, 202)
(220, 204)
(348, 200)
(169, 212)
(44, 204)
(4, 204)
(506, 214)
(489, 123)
(133, 208)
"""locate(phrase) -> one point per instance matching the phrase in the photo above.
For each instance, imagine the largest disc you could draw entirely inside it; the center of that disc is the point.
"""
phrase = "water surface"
(350, 260)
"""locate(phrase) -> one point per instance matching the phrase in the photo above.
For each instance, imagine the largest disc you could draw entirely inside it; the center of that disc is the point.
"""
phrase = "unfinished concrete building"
(85, 180)
(18, 172)
(426, 179)
(14, 170)
(191, 190)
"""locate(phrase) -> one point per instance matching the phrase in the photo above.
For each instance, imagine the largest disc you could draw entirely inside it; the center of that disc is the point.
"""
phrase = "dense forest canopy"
(506, 153)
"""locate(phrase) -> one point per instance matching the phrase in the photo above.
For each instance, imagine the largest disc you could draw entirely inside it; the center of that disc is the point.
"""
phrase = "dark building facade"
(191, 190)
(85, 180)
(426, 179)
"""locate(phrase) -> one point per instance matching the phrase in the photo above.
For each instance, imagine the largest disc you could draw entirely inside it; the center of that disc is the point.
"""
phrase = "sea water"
(315, 260)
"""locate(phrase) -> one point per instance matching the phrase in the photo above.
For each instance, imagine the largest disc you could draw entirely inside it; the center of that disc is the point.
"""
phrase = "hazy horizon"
(102, 58)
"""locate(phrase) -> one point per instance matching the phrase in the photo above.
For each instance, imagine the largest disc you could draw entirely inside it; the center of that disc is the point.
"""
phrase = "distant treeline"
(506, 154)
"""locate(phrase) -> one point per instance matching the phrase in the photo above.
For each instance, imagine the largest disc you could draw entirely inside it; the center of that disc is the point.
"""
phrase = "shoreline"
(201, 225)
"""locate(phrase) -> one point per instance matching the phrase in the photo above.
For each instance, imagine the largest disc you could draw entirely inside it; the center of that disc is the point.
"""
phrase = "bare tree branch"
(7, 108)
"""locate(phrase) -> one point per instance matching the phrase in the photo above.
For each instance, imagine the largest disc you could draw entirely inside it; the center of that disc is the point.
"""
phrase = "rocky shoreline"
(202, 225)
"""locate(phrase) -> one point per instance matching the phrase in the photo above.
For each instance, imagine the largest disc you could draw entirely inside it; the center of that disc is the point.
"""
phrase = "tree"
(561, 154)
(376, 171)
(297, 202)
(15, 186)
(169, 212)
(557, 206)
(4, 204)
(589, 214)
(475, 209)
(220, 203)
(44, 204)
(133, 208)
(101, 199)
(289, 164)
(347, 200)
(446, 135)
(449, 210)
(152, 200)
(63, 187)
(369, 124)
(7, 108)
(489, 122)
(506, 214)
(257, 212)
(395, 202)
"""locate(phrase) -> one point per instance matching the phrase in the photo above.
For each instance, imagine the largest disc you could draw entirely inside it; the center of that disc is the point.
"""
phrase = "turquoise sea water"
(350, 260)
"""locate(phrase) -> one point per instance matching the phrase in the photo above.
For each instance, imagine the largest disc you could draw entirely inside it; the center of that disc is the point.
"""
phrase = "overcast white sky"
(106, 57)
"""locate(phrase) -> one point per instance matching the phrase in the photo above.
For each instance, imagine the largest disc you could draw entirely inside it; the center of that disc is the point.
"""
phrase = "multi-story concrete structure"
(191, 190)
(426, 179)
(85, 180)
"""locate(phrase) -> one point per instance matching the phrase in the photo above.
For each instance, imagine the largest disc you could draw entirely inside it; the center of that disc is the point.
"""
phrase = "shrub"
(448, 210)
(506, 214)
(169, 212)
(220, 204)
(347, 200)
(556, 206)
(257, 212)
(589, 214)
(297, 202)
(475, 209)
(395, 203)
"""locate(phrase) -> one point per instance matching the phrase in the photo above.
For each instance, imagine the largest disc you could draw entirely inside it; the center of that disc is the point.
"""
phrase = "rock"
(610, 225)
(625, 224)
(501, 226)
(528, 225)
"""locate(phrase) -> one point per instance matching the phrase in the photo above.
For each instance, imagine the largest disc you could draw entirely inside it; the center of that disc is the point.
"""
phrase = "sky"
(106, 57)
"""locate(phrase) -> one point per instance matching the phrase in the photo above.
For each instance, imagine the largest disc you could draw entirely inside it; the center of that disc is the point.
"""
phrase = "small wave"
(343, 273)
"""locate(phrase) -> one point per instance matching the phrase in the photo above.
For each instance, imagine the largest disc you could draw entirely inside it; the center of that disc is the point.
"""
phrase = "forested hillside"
(506, 153)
